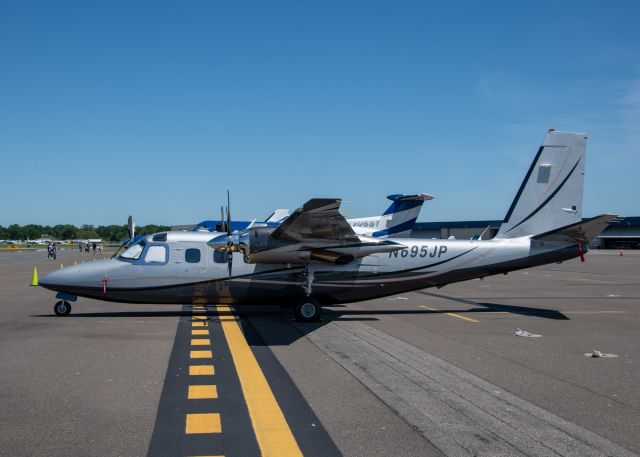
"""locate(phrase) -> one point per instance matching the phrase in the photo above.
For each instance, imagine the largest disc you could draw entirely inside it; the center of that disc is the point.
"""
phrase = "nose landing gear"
(62, 308)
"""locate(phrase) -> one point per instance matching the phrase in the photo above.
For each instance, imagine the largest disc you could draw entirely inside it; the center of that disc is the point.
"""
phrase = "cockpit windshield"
(133, 252)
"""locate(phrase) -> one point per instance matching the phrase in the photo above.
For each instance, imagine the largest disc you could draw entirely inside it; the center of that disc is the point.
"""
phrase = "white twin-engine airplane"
(315, 257)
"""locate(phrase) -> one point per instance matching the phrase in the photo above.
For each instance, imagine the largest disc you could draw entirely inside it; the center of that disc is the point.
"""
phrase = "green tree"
(87, 231)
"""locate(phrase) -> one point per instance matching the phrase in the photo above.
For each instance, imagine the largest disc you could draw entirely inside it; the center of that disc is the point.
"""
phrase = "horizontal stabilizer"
(583, 231)
(278, 215)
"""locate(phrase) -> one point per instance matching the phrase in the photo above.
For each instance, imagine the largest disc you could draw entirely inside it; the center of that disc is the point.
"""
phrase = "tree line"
(71, 232)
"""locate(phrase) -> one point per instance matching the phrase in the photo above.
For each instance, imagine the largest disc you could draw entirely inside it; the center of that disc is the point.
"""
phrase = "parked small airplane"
(315, 258)
(397, 220)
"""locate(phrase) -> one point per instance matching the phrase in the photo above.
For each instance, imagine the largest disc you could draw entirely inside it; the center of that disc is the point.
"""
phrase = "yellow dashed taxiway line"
(200, 342)
(201, 370)
(270, 426)
(199, 392)
(451, 314)
(200, 354)
(203, 423)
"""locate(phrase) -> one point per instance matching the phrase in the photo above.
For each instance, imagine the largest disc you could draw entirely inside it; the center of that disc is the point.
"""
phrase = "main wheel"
(62, 308)
(308, 310)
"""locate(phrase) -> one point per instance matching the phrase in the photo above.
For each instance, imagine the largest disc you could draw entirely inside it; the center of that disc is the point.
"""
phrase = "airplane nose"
(87, 275)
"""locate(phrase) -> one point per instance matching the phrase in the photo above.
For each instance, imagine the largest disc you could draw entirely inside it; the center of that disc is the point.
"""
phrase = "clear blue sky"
(156, 108)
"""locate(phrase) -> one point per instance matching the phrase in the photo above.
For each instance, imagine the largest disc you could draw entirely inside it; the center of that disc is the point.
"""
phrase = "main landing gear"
(307, 309)
(62, 308)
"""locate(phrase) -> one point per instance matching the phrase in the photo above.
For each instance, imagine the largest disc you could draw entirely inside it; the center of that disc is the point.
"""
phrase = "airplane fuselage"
(191, 271)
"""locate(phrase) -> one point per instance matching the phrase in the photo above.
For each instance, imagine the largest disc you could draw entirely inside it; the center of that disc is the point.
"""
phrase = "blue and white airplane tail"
(397, 221)
(550, 197)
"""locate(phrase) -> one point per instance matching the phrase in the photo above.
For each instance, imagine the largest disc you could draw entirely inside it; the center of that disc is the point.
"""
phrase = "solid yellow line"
(200, 392)
(203, 423)
(200, 342)
(199, 332)
(452, 314)
(201, 370)
(272, 431)
(200, 354)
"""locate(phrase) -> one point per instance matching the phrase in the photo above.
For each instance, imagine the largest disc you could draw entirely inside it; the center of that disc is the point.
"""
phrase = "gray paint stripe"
(458, 412)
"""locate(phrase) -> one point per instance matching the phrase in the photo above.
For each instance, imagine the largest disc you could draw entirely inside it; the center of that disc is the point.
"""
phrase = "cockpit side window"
(134, 251)
(192, 255)
(156, 254)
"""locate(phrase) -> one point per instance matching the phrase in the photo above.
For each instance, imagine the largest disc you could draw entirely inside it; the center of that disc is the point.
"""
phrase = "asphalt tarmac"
(427, 373)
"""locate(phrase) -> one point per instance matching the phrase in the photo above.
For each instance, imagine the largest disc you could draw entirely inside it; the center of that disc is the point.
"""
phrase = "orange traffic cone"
(34, 279)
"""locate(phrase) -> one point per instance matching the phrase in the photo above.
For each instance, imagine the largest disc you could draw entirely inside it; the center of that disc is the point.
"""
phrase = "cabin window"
(220, 256)
(192, 255)
(156, 254)
(544, 171)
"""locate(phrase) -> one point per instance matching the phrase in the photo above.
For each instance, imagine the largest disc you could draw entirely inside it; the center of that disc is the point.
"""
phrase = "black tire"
(62, 308)
(308, 310)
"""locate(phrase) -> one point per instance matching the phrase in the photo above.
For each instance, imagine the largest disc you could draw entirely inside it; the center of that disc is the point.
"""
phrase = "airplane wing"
(318, 219)
(315, 232)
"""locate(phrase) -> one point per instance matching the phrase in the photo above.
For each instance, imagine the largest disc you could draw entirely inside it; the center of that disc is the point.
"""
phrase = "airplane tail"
(402, 214)
(550, 197)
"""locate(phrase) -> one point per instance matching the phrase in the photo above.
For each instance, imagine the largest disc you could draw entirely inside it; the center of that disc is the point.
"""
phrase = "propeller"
(228, 242)
(131, 227)
(131, 230)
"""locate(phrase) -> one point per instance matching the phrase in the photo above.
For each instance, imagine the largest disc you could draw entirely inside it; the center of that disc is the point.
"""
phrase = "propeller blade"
(230, 263)
(131, 227)
(222, 224)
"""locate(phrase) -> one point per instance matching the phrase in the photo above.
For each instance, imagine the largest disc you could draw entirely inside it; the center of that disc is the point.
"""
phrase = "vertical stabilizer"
(402, 214)
(550, 196)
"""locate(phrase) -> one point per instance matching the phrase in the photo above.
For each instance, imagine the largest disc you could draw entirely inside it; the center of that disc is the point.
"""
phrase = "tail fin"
(402, 213)
(550, 196)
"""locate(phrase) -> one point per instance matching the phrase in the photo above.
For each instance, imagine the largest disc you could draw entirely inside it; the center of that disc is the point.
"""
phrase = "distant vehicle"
(315, 258)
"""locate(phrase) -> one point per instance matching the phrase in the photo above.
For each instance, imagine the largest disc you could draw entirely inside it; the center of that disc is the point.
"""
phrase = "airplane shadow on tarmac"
(274, 325)
(341, 312)
(261, 329)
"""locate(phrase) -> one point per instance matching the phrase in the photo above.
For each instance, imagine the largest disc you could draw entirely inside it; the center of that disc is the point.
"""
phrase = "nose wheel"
(62, 308)
(308, 310)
